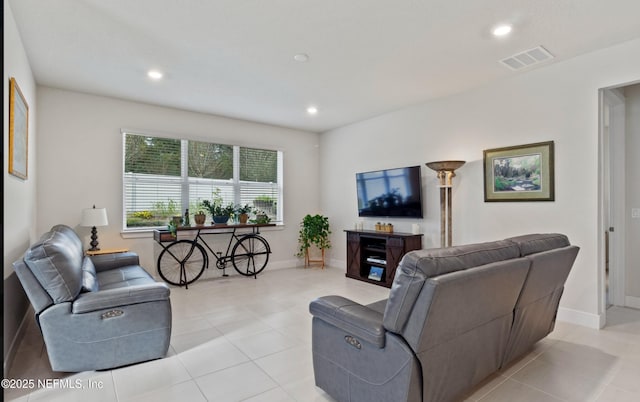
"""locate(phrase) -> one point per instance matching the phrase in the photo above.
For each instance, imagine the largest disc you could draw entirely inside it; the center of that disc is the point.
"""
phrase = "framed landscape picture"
(18, 131)
(519, 173)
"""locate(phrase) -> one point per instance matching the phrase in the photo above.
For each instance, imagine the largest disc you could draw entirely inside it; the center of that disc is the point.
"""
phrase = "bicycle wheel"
(250, 255)
(182, 262)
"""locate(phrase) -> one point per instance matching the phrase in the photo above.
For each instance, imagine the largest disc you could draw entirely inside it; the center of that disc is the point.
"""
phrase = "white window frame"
(185, 181)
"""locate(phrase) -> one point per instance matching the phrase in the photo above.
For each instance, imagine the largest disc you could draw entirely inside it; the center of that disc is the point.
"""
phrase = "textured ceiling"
(367, 57)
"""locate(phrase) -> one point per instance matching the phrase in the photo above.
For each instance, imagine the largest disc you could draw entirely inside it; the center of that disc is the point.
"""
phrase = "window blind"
(163, 176)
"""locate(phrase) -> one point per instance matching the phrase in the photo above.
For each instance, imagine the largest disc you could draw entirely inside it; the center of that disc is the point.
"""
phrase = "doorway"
(612, 185)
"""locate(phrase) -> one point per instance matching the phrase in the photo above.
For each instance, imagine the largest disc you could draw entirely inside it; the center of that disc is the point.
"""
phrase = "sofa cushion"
(418, 266)
(537, 243)
(71, 236)
(130, 275)
(89, 278)
(56, 261)
(122, 297)
(440, 261)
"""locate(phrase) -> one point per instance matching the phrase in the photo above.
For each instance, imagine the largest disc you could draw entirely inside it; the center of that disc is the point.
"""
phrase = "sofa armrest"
(354, 318)
(105, 262)
(120, 297)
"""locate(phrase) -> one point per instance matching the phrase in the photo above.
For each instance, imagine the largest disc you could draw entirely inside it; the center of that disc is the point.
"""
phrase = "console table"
(373, 256)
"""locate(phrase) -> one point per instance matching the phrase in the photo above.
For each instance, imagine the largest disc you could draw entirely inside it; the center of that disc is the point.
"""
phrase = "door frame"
(611, 190)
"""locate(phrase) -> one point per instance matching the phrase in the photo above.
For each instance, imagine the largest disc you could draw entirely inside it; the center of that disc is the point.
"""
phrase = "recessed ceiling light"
(301, 57)
(154, 74)
(312, 110)
(502, 30)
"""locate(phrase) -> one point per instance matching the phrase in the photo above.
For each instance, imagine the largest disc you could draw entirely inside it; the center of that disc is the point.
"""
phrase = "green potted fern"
(314, 230)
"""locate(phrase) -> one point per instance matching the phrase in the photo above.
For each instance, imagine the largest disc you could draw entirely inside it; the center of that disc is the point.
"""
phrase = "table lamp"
(93, 217)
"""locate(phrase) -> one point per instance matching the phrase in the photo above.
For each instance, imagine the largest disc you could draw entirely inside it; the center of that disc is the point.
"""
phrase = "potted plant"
(219, 212)
(261, 217)
(200, 217)
(314, 230)
(173, 228)
(242, 212)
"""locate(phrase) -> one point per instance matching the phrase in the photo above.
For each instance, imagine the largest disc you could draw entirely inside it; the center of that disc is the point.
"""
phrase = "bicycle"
(183, 261)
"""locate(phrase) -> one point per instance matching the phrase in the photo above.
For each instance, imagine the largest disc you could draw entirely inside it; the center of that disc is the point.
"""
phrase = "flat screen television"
(393, 193)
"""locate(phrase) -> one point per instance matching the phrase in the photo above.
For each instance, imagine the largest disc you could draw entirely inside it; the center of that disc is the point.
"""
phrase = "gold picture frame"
(18, 131)
(519, 173)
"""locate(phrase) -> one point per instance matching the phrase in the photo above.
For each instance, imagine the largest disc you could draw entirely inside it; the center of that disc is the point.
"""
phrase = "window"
(163, 176)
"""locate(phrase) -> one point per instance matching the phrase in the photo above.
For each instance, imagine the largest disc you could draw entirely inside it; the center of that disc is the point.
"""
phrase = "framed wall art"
(519, 173)
(18, 131)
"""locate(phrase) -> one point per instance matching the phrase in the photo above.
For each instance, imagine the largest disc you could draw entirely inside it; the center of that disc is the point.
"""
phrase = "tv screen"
(390, 193)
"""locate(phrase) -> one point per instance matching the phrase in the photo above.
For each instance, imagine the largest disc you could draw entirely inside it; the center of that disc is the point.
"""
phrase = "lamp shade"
(445, 165)
(446, 171)
(94, 217)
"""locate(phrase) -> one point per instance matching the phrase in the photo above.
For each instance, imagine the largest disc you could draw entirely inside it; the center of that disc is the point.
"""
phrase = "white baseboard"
(595, 321)
(632, 301)
(298, 262)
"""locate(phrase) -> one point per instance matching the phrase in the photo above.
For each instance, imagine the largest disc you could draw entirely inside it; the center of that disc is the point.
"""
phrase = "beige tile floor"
(241, 339)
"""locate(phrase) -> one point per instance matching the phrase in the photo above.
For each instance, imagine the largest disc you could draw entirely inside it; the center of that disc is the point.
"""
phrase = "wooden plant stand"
(308, 261)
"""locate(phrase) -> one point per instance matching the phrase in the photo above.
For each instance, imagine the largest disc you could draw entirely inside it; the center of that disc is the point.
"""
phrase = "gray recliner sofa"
(96, 312)
(453, 317)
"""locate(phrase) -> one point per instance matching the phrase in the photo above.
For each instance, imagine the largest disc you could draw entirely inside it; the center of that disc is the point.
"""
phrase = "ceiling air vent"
(527, 58)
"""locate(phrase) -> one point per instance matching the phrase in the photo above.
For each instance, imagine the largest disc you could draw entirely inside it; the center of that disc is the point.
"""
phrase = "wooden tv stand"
(367, 249)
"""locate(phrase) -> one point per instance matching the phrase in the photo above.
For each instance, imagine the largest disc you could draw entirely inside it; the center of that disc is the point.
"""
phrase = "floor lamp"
(446, 172)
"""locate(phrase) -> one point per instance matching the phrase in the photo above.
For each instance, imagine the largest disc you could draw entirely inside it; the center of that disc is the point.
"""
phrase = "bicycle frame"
(221, 260)
(198, 241)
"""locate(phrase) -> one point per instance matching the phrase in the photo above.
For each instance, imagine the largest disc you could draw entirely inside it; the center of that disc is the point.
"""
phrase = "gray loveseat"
(94, 312)
(453, 317)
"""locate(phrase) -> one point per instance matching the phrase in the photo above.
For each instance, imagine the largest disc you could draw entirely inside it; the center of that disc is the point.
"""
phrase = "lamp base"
(94, 239)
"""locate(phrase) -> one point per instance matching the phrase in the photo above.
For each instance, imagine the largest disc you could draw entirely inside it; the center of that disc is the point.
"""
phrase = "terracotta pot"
(244, 218)
(200, 218)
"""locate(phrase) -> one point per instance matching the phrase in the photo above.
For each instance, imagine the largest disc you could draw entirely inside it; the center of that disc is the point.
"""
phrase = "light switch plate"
(635, 212)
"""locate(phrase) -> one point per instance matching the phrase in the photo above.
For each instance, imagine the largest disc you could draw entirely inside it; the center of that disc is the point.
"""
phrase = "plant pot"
(199, 218)
(220, 219)
(243, 218)
(177, 220)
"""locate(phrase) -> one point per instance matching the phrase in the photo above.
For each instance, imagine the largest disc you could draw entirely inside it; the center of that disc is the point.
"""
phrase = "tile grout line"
(538, 389)
(115, 388)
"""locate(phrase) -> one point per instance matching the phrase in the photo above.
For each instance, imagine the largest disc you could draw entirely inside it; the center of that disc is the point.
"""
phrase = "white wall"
(81, 163)
(558, 102)
(19, 195)
(632, 226)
